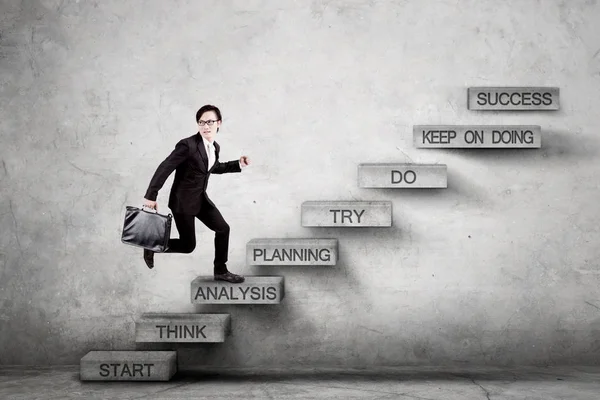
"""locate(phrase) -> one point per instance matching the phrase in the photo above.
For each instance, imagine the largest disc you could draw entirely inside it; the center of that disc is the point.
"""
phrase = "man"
(194, 159)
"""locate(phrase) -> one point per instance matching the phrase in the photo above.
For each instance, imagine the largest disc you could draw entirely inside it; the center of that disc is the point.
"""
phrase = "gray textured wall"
(499, 268)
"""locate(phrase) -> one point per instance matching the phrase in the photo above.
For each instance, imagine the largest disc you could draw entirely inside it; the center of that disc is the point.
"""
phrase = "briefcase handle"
(152, 210)
(149, 208)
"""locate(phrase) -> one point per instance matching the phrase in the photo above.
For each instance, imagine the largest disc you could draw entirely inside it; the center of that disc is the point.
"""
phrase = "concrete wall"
(499, 268)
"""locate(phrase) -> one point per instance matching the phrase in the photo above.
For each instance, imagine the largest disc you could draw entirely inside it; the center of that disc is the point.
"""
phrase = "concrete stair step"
(128, 366)
(254, 290)
(477, 136)
(526, 98)
(347, 213)
(292, 251)
(402, 175)
(182, 328)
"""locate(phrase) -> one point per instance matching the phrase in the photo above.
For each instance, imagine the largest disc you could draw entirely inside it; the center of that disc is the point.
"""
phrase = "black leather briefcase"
(147, 229)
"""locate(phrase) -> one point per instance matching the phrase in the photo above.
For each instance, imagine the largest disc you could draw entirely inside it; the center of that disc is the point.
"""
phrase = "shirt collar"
(206, 142)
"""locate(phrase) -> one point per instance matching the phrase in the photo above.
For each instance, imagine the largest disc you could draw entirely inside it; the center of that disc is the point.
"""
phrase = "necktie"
(210, 154)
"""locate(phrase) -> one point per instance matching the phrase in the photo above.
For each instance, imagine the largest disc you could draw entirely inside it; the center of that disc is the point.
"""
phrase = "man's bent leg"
(187, 235)
(186, 242)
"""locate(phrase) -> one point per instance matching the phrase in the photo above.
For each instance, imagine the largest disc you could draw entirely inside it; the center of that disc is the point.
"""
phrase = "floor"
(531, 383)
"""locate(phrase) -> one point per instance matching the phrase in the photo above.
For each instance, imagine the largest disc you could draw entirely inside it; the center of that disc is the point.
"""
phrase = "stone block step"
(128, 366)
(347, 213)
(293, 251)
(477, 136)
(513, 98)
(254, 290)
(182, 328)
(390, 175)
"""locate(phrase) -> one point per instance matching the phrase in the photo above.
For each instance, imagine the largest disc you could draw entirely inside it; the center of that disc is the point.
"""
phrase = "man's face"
(208, 131)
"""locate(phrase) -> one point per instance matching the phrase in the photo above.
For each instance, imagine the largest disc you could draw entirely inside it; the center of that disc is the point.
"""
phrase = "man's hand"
(244, 161)
(151, 204)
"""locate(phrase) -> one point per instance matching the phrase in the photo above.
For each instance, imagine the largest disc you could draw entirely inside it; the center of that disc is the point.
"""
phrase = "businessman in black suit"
(193, 160)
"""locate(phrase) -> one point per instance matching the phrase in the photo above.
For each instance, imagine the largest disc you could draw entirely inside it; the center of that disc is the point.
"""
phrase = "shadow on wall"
(275, 328)
(556, 145)
(462, 192)
(251, 326)
(285, 327)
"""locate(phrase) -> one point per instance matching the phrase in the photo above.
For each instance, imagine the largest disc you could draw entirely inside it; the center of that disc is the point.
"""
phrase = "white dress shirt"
(211, 154)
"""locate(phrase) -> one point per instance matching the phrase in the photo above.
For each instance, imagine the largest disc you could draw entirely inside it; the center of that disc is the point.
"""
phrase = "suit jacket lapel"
(216, 156)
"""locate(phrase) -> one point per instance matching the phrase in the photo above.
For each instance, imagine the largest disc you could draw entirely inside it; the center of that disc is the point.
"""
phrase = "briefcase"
(147, 229)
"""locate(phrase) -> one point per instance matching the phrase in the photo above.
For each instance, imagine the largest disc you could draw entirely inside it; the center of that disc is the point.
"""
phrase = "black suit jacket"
(190, 161)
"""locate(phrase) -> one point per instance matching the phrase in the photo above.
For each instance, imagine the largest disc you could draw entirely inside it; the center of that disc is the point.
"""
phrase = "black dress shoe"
(229, 277)
(149, 258)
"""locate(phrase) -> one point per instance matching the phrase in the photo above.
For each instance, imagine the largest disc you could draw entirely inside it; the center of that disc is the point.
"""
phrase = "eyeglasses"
(210, 122)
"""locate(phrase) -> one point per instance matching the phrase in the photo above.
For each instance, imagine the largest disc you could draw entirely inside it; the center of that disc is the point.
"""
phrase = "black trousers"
(212, 218)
